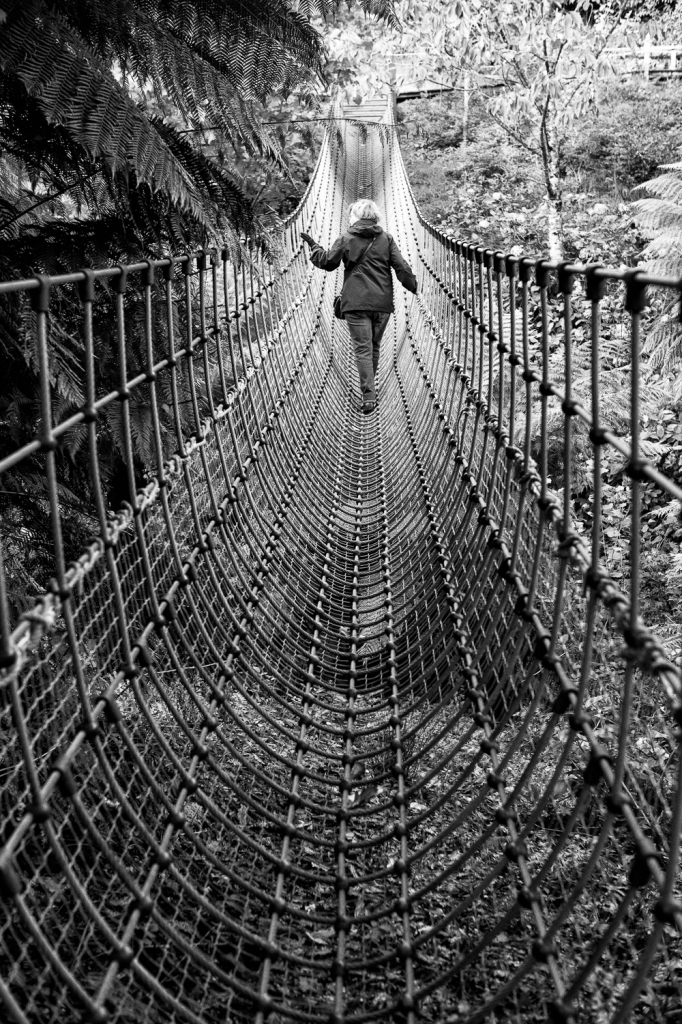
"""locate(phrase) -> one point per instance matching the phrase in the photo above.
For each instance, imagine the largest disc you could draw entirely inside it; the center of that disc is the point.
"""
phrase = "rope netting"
(341, 718)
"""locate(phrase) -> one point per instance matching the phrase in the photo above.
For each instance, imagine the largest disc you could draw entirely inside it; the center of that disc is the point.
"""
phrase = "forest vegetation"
(137, 129)
(128, 131)
(492, 194)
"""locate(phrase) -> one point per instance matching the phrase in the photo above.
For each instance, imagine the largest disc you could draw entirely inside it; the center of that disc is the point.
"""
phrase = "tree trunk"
(465, 113)
(550, 162)
(555, 236)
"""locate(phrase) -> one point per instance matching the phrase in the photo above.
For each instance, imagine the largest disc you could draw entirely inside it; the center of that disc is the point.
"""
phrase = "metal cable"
(340, 718)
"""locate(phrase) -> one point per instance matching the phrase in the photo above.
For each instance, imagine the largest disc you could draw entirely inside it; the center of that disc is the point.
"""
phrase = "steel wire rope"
(218, 609)
(413, 434)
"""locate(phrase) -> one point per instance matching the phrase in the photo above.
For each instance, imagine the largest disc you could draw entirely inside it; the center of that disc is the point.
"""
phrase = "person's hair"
(364, 209)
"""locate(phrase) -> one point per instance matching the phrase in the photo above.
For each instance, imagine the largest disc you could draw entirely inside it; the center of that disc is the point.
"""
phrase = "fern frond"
(226, 200)
(73, 89)
(669, 513)
(205, 96)
(208, 58)
(212, 28)
(658, 214)
(206, 62)
(664, 346)
(677, 166)
(383, 10)
(668, 186)
(664, 256)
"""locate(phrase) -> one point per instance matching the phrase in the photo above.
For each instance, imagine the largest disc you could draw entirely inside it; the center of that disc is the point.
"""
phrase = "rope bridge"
(339, 718)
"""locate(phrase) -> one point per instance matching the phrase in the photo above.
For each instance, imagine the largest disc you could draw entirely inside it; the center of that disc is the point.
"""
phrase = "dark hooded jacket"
(370, 288)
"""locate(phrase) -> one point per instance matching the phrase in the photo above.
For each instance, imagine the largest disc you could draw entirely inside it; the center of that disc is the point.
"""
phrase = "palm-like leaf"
(660, 215)
(104, 109)
(74, 90)
(212, 61)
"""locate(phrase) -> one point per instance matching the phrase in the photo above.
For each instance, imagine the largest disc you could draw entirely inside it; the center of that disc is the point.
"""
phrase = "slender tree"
(544, 61)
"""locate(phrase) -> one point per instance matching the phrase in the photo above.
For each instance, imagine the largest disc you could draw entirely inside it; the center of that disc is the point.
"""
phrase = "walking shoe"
(369, 405)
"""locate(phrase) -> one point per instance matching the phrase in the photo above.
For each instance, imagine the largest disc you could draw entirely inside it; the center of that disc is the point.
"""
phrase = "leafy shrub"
(636, 129)
(492, 194)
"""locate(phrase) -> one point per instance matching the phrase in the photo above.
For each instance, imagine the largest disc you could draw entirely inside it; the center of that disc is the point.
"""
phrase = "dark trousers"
(366, 332)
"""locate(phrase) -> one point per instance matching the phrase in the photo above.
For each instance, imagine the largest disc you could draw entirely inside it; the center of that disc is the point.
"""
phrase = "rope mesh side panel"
(327, 725)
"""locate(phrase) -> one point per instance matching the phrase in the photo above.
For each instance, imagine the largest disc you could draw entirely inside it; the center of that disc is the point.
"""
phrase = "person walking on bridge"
(366, 300)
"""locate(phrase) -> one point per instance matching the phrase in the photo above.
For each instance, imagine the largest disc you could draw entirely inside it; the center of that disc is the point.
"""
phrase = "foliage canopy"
(106, 108)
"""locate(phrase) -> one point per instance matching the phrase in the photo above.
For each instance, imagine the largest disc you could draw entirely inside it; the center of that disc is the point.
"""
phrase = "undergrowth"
(491, 193)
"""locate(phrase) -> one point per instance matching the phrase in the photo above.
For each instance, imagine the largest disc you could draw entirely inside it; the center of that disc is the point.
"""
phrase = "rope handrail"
(337, 718)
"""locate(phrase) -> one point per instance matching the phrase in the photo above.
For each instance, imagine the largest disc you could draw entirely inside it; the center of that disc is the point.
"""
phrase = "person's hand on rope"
(307, 238)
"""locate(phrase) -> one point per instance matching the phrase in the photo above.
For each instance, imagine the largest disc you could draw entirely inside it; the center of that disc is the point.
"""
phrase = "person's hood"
(365, 228)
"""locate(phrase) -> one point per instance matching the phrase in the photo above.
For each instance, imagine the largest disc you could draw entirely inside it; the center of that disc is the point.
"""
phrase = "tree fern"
(75, 82)
(72, 89)
(104, 110)
(660, 217)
